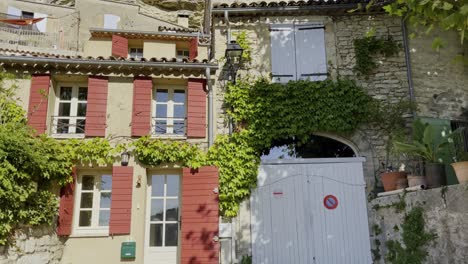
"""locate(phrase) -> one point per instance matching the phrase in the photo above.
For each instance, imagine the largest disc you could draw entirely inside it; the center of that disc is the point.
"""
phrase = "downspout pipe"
(210, 107)
(408, 64)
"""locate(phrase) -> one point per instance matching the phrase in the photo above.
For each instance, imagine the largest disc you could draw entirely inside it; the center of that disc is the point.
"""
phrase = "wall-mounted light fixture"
(233, 59)
(124, 157)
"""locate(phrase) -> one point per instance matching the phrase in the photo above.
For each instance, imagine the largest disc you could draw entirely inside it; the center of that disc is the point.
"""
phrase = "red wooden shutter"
(200, 216)
(121, 201)
(196, 109)
(38, 102)
(119, 46)
(193, 51)
(141, 111)
(97, 106)
(65, 217)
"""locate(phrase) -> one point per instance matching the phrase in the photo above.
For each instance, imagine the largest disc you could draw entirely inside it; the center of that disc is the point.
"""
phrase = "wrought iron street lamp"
(124, 157)
(233, 59)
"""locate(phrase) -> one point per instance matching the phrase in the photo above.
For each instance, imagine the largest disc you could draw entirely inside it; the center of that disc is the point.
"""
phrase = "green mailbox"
(127, 250)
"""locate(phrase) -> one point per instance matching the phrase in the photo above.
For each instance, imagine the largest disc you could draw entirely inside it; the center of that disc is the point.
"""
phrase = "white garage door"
(308, 211)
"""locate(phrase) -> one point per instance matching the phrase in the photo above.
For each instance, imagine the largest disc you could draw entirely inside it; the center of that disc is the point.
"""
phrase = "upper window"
(169, 112)
(15, 13)
(111, 21)
(181, 54)
(93, 203)
(298, 52)
(70, 110)
(135, 53)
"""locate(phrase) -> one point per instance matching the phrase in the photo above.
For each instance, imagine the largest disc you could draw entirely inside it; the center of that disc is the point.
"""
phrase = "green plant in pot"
(389, 118)
(428, 146)
(461, 159)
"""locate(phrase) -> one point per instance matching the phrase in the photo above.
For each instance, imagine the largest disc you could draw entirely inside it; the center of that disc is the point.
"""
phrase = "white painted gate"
(290, 223)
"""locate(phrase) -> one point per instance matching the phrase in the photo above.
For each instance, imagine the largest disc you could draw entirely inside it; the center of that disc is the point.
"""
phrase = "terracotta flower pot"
(389, 179)
(414, 180)
(435, 174)
(401, 183)
(461, 170)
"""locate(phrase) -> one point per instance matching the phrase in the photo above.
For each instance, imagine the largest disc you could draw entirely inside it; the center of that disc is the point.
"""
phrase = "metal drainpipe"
(408, 64)
(210, 107)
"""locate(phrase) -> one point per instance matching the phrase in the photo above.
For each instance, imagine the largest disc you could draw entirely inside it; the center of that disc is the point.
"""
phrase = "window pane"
(86, 200)
(172, 185)
(80, 126)
(179, 127)
(83, 93)
(179, 111)
(161, 95)
(104, 217)
(172, 209)
(179, 96)
(64, 109)
(157, 188)
(171, 235)
(156, 235)
(81, 109)
(85, 218)
(87, 183)
(161, 110)
(65, 93)
(105, 200)
(156, 209)
(106, 182)
(161, 127)
(62, 126)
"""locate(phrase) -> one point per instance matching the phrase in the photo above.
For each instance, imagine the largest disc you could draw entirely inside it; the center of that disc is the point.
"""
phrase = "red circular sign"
(330, 202)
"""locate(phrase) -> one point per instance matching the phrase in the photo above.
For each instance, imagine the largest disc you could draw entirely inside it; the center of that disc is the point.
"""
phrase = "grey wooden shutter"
(311, 57)
(283, 56)
(41, 25)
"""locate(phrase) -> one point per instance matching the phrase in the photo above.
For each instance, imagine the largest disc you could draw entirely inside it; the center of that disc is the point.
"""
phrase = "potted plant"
(390, 119)
(460, 166)
(427, 146)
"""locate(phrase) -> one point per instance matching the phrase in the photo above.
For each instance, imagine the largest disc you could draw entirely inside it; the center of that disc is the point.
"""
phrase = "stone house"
(112, 69)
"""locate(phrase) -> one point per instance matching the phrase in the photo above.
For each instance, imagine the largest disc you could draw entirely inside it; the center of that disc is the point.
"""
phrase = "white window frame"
(73, 111)
(163, 253)
(295, 28)
(170, 111)
(94, 229)
(135, 50)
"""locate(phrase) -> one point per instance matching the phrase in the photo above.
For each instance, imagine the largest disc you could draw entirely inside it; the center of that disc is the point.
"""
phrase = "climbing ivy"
(367, 48)
(154, 152)
(414, 238)
(96, 151)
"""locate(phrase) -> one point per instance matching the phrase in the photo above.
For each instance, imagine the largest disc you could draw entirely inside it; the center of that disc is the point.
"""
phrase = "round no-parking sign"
(330, 202)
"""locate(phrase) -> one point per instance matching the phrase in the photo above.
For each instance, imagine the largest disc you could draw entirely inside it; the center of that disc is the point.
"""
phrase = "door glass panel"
(179, 96)
(172, 209)
(156, 235)
(179, 111)
(104, 217)
(171, 235)
(179, 127)
(161, 110)
(87, 183)
(157, 188)
(157, 209)
(80, 126)
(161, 127)
(172, 185)
(85, 218)
(65, 93)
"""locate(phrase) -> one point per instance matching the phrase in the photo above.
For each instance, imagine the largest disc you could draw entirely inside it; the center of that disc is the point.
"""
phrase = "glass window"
(164, 211)
(182, 54)
(95, 195)
(169, 112)
(135, 53)
(70, 115)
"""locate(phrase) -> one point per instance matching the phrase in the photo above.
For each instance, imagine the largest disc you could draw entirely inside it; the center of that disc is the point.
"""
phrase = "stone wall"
(445, 212)
(440, 78)
(33, 245)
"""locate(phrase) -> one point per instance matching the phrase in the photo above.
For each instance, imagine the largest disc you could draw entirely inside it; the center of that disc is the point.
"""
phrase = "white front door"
(162, 219)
